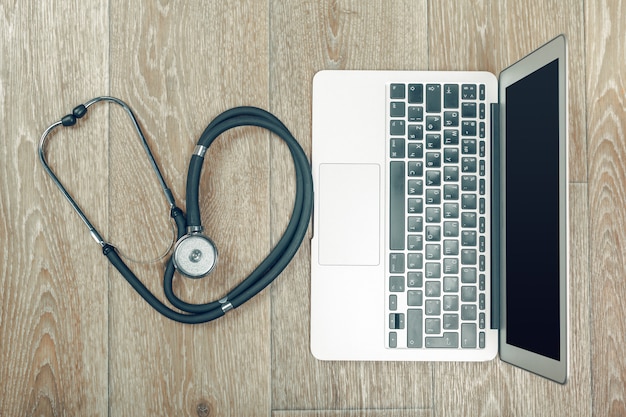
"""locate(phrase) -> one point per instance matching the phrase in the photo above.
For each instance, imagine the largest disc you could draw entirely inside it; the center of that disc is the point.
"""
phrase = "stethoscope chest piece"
(195, 255)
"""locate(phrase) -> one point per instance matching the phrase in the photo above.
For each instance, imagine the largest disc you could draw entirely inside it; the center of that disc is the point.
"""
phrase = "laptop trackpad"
(349, 214)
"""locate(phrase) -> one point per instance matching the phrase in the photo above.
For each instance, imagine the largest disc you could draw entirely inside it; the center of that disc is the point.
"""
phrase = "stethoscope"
(194, 254)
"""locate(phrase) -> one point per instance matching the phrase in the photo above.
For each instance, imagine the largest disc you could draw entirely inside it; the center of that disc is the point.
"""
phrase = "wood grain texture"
(53, 356)
(353, 413)
(606, 115)
(74, 337)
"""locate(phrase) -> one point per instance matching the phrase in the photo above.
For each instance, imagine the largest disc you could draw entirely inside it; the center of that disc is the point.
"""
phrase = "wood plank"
(335, 35)
(403, 412)
(53, 305)
(179, 65)
(606, 119)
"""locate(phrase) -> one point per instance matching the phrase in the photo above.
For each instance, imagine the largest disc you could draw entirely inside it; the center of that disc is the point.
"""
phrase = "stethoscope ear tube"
(189, 229)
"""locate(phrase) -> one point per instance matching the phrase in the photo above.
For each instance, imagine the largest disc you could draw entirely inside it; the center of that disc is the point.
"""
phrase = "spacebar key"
(397, 180)
(414, 328)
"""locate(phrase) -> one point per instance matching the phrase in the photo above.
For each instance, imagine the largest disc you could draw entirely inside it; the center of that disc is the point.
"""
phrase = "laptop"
(440, 225)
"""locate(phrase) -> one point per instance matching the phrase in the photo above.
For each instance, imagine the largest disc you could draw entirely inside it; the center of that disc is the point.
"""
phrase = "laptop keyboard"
(439, 206)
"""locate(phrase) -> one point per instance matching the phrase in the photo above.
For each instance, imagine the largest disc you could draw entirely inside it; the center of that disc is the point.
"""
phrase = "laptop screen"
(532, 212)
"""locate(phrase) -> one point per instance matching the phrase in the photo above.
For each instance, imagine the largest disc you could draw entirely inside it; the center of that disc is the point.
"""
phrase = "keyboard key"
(433, 270)
(468, 128)
(396, 321)
(414, 329)
(468, 256)
(451, 96)
(451, 137)
(416, 205)
(469, 164)
(415, 114)
(416, 93)
(393, 302)
(468, 183)
(468, 312)
(468, 110)
(468, 275)
(393, 339)
(450, 303)
(433, 196)
(468, 92)
(415, 224)
(468, 294)
(396, 148)
(396, 263)
(416, 132)
(397, 180)
(433, 141)
(450, 247)
(449, 340)
(416, 187)
(433, 98)
(433, 122)
(415, 151)
(414, 261)
(468, 335)
(416, 168)
(414, 279)
(433, 159)
(433, 178)
(468, 146)
(396, 283)
(433, 252)
(451, 156)
(468, 219)
(396, 128)
(450, 321)
(469, 238)
(450, 192)
(396, 91)
(432, 307)
(451, 210)
(451, 119)
(433, 289)
(468, 201)
(450, 284)
(414, 298)
(396, 109)
(432, 326)
(450, 266)
(415, 242)
(433, 233)
(433, 215)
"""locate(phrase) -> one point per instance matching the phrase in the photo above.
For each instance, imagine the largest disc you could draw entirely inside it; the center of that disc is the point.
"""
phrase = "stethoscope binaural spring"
(195, 255)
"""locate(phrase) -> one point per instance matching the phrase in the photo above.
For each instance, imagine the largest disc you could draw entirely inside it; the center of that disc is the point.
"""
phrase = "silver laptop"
(440, 218)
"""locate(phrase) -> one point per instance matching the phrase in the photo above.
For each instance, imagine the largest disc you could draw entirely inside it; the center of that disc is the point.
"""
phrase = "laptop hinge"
(495, 215)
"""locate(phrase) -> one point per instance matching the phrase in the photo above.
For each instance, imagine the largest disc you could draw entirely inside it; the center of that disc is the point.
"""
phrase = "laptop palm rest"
(349, 214)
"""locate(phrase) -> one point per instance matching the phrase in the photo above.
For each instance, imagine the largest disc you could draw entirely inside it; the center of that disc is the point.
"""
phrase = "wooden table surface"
(76, 340)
